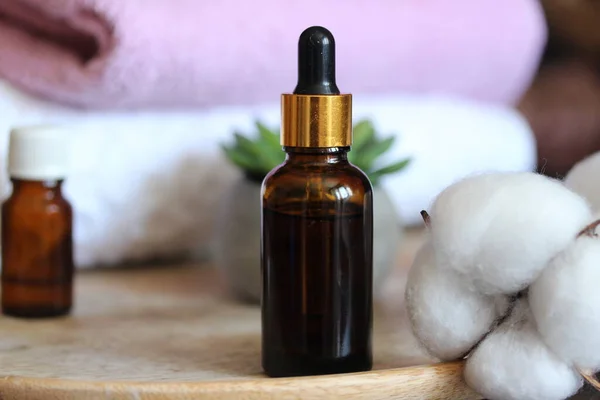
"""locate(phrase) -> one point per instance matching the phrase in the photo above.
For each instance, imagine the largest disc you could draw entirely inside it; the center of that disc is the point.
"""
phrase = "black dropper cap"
(316, 62)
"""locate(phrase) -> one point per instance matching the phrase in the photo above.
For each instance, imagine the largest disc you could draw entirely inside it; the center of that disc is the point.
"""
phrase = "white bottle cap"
(38, 153)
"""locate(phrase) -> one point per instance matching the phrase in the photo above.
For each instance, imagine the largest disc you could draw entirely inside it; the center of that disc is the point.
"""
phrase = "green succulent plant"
(258, 156)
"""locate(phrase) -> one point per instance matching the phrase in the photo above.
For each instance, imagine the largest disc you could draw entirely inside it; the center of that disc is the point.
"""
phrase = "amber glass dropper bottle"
(317, 230)
(37, 256)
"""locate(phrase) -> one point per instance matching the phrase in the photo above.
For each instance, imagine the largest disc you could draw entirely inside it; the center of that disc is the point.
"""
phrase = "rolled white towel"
(146, 184)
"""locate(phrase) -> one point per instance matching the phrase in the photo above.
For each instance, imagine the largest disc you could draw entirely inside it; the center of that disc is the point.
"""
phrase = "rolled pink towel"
(179, 53)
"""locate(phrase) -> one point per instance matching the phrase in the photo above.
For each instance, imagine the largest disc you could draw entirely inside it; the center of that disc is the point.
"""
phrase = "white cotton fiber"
(582, 180)
(565, 301)
(513, 363)
(446, 316)
(499, 230)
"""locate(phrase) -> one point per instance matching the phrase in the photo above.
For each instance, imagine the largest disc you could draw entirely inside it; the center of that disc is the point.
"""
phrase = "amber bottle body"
(316, 247)
(37, 253)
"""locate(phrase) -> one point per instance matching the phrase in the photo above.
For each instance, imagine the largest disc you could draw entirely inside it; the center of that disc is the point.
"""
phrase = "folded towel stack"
(180, 53)
(151, 89)
(146, 184)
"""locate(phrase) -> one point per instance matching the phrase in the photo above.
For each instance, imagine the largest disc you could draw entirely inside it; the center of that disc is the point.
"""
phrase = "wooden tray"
(173, 333)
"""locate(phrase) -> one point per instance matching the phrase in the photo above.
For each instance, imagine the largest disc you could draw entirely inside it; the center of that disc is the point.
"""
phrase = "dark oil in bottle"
(317, 304)
(37, 251)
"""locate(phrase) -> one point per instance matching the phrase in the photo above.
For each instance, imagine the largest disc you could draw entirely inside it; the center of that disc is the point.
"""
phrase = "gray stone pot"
(237, 239)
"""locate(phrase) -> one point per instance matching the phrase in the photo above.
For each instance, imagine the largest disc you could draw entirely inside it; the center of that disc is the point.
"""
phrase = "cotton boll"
(446, 316)
(513, 363)
(499, 230)
(565, 301)
(582, 179)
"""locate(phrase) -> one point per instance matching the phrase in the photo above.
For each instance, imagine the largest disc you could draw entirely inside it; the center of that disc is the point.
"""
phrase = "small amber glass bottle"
(37, 256)
(317, 231)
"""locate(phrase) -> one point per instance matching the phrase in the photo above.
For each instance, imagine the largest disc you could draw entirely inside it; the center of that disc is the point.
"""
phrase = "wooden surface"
(172, 332)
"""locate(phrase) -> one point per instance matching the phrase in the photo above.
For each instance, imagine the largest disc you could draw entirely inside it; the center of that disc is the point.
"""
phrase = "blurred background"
(171, 106)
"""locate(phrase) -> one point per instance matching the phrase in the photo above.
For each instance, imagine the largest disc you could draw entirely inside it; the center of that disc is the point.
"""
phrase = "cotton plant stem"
(590, 230)
(589, 377)
(426, 218)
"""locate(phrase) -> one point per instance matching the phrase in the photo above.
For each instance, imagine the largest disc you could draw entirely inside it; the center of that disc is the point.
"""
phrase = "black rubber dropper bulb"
(316, 62)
